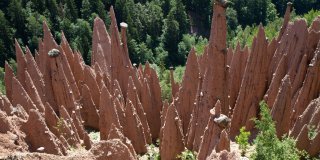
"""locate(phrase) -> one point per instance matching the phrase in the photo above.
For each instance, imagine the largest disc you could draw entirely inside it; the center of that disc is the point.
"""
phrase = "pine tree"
(99, 8)
(52, 7)
(83, 40)
(86, 9)
(203, 8)
(53, 13)
(102, 11)
(153, 20)
(176, 24)
(232, 20)
(4, 5)
(109, 3)
(71, 10)
(68, 28)
(38, 5)
(18, 18)
(170, 38)
(119, 9)
(268, 146)
(166, 6)
(181, 16)
(303, 6)
(254, 11)
(188, 4)
(281, 6)
(34, 29)
(6, 40)
(129, 12)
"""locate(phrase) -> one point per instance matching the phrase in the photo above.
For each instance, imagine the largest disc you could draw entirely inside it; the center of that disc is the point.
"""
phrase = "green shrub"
(187, 155)
(178, 73)
(59, 125)
(200, 45)
(246, 35)
(243, 36)
(305, 156)
(94, 136)
(242, 140)
(165, 85)
(268, 146)
(153, 152)
(309, 17)
(312, 132)
(188, 41)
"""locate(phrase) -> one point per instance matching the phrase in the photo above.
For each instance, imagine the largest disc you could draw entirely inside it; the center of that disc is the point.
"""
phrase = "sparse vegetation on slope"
(243, 140)
(268, 146)
(187, 155)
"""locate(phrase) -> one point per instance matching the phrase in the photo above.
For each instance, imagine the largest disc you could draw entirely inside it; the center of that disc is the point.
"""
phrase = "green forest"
(163, 32)
(160, 31)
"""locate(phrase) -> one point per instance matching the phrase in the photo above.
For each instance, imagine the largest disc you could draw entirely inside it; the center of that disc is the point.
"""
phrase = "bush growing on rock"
(312, 132)
(242, 140)
(187, 155)
(268, 146)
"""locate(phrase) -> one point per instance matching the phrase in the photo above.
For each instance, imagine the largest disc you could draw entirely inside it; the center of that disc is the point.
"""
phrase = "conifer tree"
(34, 29)
(39, 5)
(170, 38)
(119, 7)
(52, 7)
(83, 41)
(53, 13)
(154, 19)
(86, 9)
(18, 18)
(71, 10)
(166, 6)
(99, 8)
(181, 16)
(4, 5)
(6, 40)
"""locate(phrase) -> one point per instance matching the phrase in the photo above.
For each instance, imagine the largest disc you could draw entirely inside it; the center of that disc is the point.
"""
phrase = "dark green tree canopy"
(160, 31)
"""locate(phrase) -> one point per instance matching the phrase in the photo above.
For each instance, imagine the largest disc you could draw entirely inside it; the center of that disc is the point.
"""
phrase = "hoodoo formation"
(55, 96)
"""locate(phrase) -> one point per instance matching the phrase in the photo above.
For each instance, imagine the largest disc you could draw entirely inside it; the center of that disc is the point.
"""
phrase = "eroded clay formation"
(54, 96)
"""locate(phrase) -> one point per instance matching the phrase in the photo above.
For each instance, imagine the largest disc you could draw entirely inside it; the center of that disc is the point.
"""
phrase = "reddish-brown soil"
(54, 97)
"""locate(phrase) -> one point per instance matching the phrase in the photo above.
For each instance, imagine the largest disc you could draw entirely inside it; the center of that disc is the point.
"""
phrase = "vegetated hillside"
(149, 37)
(161, 31)
(54, 98)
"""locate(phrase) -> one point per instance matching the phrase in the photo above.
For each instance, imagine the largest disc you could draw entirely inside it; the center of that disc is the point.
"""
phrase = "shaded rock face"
(116, 133)
(40, 137)
(134, 129)
(108, 114)
(309, 119)
(188, 90)
(172, 139)
(61, 96)
(281, 109)
(89, 110)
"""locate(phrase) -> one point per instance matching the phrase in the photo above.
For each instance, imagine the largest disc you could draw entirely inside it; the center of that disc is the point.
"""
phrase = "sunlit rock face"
(55, 96)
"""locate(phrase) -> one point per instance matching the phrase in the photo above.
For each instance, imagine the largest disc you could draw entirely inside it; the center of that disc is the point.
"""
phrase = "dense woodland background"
(160, 31)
